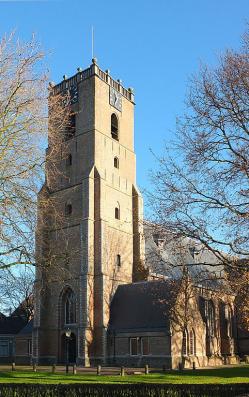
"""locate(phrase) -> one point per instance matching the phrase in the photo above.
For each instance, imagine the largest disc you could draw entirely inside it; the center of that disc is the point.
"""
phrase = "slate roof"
(2, 316)
(27, 329)
(141, 306)
(168, 257)
(11, 325)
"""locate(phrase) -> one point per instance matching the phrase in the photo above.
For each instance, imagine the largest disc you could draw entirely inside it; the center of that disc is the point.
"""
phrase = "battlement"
(93, 70)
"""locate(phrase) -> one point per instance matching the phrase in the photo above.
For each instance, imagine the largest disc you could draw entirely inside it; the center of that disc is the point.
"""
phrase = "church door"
(69, 349)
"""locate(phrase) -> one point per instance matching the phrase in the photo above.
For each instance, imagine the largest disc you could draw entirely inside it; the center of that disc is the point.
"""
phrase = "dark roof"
(11, 325)
(2, 316)
(27, 329)
(143, 305)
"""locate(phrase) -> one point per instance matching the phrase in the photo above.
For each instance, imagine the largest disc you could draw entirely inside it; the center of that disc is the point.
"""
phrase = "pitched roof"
(11, 325)
(166, 256)
(2, 316)
(27, 329)
(143, 305)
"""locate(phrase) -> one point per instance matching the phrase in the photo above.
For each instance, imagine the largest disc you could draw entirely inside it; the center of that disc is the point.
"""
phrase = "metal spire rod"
(92, 42)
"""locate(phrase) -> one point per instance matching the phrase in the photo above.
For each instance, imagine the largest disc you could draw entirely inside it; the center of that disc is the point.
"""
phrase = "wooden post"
(146, 369)
(53, 368)
(34, 367)
(194, 365)
(13, 366)
(98, 369)
(74, 369)
(122, 371)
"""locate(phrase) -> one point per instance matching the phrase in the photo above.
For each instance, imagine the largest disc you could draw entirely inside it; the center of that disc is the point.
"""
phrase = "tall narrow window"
(116, 162)
(114, 127)
(185, 343)
(134, 346)
(70, 308)
(210, 313)
(192, 342)
(118, 260)
(117, 211)
(228, 321)
(145, 346)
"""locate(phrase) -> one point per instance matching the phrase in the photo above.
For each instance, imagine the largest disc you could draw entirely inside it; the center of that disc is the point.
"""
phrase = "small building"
(144, 328)
(9, 327)
(157, 323)
(139, 329)
(23, 344)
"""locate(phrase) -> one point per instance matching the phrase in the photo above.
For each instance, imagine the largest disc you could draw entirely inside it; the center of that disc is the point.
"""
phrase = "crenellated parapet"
(94, 70)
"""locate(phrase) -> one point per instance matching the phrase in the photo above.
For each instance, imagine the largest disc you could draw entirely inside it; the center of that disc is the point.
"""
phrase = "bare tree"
(23, 135)
(16, 291)
(202, 182)
(238, 279)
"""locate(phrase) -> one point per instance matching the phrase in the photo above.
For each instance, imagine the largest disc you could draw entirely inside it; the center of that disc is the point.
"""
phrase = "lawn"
(223, 375)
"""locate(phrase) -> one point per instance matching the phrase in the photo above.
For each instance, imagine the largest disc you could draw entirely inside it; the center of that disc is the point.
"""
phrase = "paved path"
(83, 370)
(93, 370)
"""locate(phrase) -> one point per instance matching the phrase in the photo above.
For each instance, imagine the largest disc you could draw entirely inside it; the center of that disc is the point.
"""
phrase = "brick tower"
(97, 243)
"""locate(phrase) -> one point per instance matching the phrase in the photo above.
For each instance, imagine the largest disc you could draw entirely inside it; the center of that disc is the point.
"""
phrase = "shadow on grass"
(49, 378)
(233, 372)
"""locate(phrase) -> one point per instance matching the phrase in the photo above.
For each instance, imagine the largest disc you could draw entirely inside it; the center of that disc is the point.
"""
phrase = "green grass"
(223, 375)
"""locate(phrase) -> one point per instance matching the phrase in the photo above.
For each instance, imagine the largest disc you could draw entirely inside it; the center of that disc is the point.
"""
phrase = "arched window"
(114, 127)
(192, 344)
(68, 209)
(210, 315)
(116, 162)
(228, 321)
(118, 260)
(185, 343)
(70, 307)
(117, 211)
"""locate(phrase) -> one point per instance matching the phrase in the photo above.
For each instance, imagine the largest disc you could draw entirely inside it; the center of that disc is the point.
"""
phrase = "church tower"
(89, 238)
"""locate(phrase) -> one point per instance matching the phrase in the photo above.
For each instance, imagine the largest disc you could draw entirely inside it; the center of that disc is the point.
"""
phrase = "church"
(104, 290)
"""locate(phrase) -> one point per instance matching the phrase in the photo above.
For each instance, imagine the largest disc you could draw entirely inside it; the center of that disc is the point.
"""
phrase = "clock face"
(115, 99)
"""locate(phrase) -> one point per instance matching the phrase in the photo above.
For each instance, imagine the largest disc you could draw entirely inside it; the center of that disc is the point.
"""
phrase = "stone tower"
(90, 236)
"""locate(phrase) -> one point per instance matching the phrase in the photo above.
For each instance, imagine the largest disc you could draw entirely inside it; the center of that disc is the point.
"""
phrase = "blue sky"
(152, 45)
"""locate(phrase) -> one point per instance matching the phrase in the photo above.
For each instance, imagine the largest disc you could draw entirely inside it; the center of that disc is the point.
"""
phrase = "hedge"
(123, 390)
